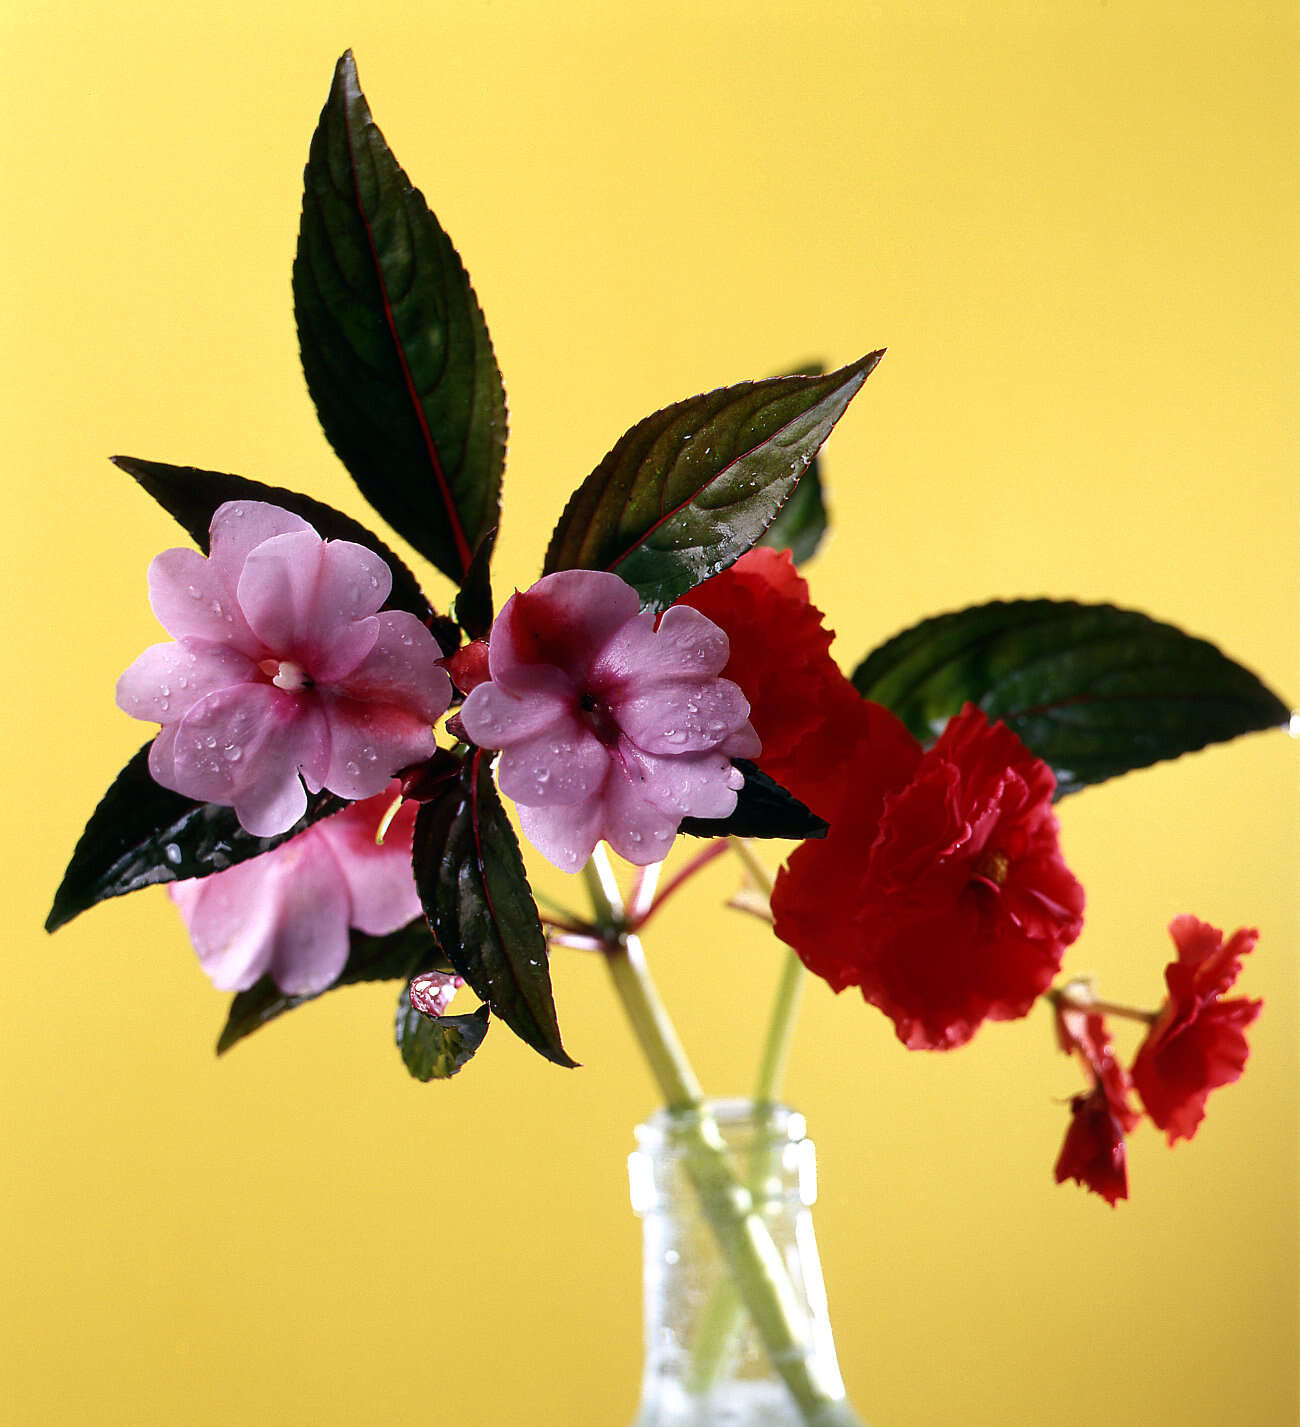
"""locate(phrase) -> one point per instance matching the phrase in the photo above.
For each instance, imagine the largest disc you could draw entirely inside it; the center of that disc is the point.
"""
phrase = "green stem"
(756, 1267)
(780, 1031)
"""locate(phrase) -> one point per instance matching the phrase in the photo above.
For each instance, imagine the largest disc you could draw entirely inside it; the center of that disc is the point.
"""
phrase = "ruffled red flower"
(1197, 1043)
(940, 890)
(1093, 1153)
(801, 705)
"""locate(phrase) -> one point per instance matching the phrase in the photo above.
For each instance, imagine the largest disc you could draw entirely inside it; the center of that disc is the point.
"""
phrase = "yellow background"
(1074, 227)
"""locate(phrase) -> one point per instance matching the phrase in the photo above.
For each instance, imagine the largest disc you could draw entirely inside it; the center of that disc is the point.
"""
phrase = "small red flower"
(1197, 1043)
(1093, 1153)
(940, 890)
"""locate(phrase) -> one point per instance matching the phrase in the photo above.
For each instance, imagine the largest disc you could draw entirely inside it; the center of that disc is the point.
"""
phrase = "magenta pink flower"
(609, 727)
(283, 672)
(287, 912)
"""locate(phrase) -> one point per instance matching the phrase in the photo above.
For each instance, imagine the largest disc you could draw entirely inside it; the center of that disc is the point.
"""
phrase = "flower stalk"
(756, 1267)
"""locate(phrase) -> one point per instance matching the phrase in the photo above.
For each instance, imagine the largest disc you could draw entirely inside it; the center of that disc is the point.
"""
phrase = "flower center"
(597, 717)
(286, 675)
(993, 867)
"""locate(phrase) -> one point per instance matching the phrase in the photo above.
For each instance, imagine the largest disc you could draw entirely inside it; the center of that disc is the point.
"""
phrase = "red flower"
(1093, 1153)
(803, 708)
(940, 890)
(1197, 1042)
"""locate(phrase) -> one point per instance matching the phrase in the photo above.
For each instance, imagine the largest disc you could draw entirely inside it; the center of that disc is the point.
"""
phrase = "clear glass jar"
(736, 1323)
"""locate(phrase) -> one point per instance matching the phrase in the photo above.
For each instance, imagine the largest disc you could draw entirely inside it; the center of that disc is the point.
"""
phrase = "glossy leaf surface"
(436, 1047)
(476, 895)
(1092, 690)
(688, 490)
(192, 496)
(763, 809)
(802, 522)
(397, 956)
(394, 347)
(142, 833)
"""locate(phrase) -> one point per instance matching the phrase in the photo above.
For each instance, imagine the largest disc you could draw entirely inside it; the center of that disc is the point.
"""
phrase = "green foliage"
(763, 809)
(142, 833)
(687, 491)
(1091, 689)
(476, 895)
(435, 1048)
(394, 347)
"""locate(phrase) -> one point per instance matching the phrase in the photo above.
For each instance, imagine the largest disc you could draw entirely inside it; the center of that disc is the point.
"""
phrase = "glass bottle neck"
(705, 1361)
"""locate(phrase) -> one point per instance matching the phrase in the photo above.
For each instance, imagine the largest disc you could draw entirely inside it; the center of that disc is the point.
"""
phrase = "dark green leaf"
(142, 833)
(688, 490)
(1092, 690)
(397, 956)
(435, 1048)
(192, 497)
(394, 347)
(474, 603)
(763, 809)
(476, 895)
(801, 523)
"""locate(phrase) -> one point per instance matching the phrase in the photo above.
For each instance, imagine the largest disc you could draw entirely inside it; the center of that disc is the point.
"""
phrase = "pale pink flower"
(609, 727)
(288, 912)
(282, 666)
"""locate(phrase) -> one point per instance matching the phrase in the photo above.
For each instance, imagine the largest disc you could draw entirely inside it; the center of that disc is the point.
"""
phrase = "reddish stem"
(701, 859)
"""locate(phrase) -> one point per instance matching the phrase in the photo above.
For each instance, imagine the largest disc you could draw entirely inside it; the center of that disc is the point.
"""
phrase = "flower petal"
(239, 526)
(564, 619)
(564, 834)
(369, 742)
(231, 918)
(192, 599)
(495, 717)
(380, 884)
(680, 716)
(686, 645)
(277, 590)
(167, 680)
(401, 669)
(564, 763)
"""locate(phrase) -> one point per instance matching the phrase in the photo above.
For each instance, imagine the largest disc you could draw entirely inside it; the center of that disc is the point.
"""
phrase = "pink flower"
(609, 727)
(287, 912)
(282, 667)
(1198, 1041)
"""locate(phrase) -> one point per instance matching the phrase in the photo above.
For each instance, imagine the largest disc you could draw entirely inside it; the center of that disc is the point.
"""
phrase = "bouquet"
(340, 764)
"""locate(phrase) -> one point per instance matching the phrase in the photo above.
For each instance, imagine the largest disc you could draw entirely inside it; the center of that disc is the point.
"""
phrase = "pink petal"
(231, 919)
(194, 600)
(401, 669)
(353, 582)
(564, 835)
(699, 785)
(244, 746)
(494, 717)
(564, 620)
(239, 527)
(680, 716)
(632, 825)
(167, 680)
(369, 742)
(565, 763)
(277, 589)
(687, 645)
(311, 940)
(380, 884)
(744, 742)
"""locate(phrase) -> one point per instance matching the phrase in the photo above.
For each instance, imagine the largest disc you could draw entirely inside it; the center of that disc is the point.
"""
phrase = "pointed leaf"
(192, 496)
(688, 490)
(1092, 690)
(142, 833)
(397, 956)
(763, 809)
(394, 347)
(802, 522)
(476, 895)
(436, 1047)
(474, 603)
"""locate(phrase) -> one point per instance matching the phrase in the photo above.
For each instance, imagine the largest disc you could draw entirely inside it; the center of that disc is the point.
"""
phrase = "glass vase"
(737, 1329)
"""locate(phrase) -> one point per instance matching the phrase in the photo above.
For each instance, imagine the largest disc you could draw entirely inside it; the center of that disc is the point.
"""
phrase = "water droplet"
(165, 690)
(195, 592)
(173, 854)
(406, 639)
(164, 704)
(233, 753)
(353, 768)
(543, 775)
(182, 682)
(216, 607)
